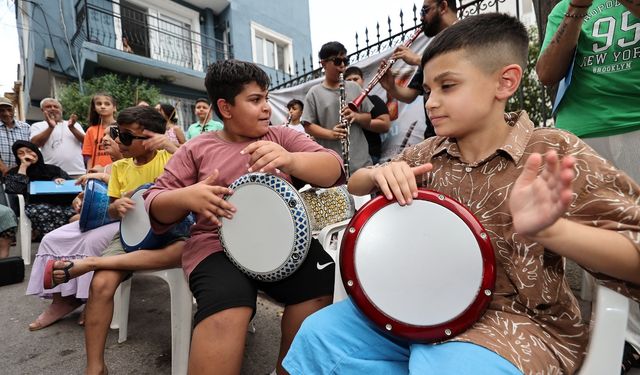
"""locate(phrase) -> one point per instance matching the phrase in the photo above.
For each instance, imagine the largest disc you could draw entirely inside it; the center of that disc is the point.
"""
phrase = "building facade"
(168, 43)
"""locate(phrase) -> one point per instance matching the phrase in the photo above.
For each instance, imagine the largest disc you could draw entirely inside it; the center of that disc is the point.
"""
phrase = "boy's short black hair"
(226, 79)
(202, 100)
(293, 102)
(491, 40)
(147, 117)
(353, 70)
(331, 49)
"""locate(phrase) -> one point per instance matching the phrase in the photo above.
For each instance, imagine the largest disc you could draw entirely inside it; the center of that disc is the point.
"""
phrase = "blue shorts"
(340, 340)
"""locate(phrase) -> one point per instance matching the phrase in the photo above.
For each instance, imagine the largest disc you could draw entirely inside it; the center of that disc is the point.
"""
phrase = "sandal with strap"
(48, 281)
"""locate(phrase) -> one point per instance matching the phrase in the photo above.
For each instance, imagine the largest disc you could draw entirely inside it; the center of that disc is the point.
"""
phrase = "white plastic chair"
(23, 236)
(181, 314)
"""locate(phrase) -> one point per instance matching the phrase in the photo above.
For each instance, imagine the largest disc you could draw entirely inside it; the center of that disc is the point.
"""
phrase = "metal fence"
(532, 95)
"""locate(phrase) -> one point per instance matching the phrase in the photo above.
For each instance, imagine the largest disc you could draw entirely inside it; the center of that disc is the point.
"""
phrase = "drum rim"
(274, 275)
(433, 333)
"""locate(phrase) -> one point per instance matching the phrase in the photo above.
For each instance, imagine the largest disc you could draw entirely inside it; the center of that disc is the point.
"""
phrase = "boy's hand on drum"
(398, 179)
(119, 208)
(538, 200)
(207, 199)
(268, 157)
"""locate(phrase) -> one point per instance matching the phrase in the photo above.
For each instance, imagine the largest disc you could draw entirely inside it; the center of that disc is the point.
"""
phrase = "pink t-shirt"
(197, 159)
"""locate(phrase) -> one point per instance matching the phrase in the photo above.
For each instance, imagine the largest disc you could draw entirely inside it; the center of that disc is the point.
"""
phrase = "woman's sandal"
(48, 281)
(53, 313)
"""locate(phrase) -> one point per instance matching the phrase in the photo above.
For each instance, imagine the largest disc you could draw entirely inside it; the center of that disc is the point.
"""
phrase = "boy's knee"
(103, 285)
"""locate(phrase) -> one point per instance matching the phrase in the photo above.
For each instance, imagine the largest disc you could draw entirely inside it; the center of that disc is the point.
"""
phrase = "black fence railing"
(132, 29)
(532, 95)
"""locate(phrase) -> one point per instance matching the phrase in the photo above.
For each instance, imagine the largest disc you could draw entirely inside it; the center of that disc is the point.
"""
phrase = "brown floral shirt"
(533, 320)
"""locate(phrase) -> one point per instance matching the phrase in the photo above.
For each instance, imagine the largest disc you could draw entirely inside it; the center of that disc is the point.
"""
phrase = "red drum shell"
(421, 333)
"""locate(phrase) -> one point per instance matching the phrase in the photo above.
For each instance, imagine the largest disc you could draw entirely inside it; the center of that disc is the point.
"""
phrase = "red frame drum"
(423, 272)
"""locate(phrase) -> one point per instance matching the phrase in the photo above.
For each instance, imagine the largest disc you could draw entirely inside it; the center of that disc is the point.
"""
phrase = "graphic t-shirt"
(602, 98)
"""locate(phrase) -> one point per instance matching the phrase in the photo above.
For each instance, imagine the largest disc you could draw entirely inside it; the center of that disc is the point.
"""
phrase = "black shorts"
(218, 285)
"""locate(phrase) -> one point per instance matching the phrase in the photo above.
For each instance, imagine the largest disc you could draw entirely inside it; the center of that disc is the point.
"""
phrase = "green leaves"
(126, 90)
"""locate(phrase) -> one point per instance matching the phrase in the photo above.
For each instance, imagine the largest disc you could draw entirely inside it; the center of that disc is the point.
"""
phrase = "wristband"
(579, 6)
(570, 15)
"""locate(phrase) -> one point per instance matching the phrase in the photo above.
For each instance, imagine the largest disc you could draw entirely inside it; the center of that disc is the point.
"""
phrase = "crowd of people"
(570, 192)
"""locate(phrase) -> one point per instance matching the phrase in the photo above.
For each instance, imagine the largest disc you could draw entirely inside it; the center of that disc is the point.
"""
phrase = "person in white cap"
(11, 130)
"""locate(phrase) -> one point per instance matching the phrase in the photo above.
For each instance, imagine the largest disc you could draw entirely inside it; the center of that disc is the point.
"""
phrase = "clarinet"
(286, 124)
(344, 142)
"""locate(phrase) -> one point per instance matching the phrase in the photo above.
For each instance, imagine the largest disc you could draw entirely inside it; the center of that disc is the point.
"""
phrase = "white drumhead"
(260, 236)
(409, 259)
(135, 225)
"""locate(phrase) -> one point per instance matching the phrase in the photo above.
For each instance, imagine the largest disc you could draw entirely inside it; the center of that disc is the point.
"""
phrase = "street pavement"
(59, 348)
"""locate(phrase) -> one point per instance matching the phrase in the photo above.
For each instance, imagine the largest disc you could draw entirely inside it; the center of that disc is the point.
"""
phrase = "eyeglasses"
(337, 61)
(426, 9)
(125, 138)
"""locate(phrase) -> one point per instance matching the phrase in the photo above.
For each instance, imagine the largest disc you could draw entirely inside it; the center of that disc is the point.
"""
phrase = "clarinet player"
(322, 110)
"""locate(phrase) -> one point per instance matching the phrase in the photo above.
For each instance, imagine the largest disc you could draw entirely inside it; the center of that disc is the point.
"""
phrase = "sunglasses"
(125, 138)
(426, 9)
(337, 61)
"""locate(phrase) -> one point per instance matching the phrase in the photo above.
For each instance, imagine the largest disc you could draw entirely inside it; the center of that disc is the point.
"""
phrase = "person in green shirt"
(595, 46)
(205, 123)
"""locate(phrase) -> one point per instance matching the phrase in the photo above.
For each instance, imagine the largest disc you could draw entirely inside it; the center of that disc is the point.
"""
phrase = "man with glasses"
(11, 130)
(60, 141)
(435, 15)
(321, 116)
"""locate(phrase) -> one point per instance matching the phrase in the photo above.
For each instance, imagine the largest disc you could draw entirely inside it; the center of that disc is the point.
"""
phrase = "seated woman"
(68, 242)
(46, 212)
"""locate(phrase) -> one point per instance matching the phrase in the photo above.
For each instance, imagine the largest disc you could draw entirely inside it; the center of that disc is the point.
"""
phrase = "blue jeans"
(340, 340)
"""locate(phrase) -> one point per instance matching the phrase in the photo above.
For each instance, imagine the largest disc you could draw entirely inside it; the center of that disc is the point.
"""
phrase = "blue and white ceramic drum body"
(95, 206)
(269, 236)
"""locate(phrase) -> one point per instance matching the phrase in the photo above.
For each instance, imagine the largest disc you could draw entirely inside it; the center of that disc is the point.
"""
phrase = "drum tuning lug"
(295, 256)
(350, 282)
(487, 292)
(447, 332)
(292, 203)
(388, 327)
(352, 230)
(253, 178)
(483, 235)
(441, 197)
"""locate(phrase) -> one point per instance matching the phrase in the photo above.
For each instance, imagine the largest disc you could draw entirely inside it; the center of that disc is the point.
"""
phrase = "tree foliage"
(125, 90)
(532, 96)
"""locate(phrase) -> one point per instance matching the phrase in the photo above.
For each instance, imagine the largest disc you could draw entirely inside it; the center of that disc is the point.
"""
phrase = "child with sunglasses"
(321, 116)
(196, 179)
(146, 149)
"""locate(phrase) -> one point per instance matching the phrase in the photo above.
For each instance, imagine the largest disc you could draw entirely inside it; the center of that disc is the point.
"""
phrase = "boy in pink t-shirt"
(196, 179)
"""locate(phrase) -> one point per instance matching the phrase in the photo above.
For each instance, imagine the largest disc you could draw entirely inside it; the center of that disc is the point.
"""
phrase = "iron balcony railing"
(135, 30)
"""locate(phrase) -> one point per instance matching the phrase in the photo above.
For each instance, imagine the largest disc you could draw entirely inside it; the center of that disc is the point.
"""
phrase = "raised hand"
(268, 156)
(72, 120)
(539, 199)
(50, 117)
(157, 142)
(398, 179)
(407, 55)
(206, 198)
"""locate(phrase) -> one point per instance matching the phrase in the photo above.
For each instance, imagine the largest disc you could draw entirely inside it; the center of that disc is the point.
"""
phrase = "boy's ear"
(224, 107)
(509, 81)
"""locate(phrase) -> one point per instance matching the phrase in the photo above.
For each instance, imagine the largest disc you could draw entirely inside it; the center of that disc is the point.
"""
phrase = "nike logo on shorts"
(323, 266)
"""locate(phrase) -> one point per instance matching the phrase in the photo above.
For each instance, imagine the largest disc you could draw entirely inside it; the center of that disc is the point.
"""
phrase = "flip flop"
(48, 281)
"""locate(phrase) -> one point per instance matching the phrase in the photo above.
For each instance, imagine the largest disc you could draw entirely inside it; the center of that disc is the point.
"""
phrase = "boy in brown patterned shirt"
(537, 210)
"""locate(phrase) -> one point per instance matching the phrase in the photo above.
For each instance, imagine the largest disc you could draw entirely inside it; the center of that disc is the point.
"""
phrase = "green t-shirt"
(604, 95)
(196, 128)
